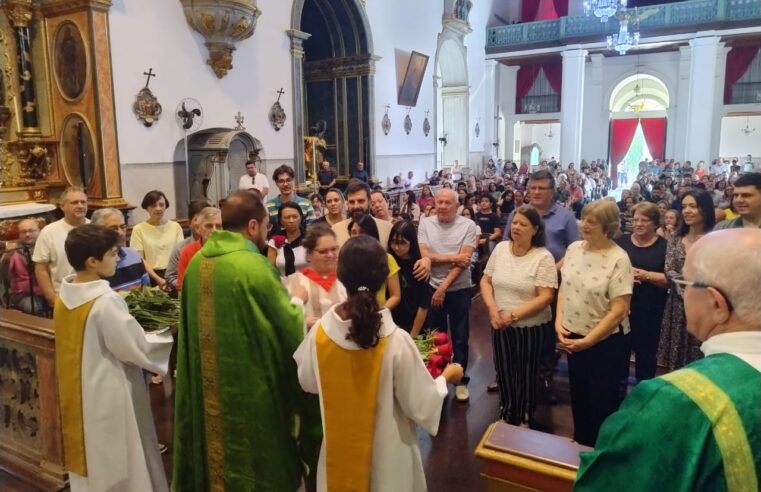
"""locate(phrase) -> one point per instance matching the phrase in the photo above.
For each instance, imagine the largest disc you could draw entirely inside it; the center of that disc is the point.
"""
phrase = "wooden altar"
(57, 114)
(522, 460)
(31, 446)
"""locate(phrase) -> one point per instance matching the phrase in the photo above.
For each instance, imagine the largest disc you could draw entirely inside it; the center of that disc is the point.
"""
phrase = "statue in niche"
(70, 61)
(315, 148)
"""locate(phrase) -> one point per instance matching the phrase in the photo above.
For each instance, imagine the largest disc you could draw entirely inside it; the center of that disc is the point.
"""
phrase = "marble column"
(20, 15)
(297, 79)
(491, 100)
(701, 101)
(572, 106)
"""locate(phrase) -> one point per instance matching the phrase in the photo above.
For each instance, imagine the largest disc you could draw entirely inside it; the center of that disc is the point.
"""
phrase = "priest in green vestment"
(698, 428)
(242, 422)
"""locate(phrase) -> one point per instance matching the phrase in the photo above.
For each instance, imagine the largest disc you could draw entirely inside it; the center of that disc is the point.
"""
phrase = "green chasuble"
(242, 422)
(696, 429)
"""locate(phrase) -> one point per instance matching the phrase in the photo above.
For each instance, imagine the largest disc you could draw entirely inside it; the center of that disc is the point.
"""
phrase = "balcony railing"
(548, 103)
(746, 93)
(672, 17)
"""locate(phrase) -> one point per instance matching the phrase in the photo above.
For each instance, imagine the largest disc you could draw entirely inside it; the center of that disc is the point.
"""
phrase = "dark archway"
(336, 83)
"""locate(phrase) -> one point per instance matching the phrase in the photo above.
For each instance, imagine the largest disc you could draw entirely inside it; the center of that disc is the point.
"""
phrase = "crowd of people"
(293, 297)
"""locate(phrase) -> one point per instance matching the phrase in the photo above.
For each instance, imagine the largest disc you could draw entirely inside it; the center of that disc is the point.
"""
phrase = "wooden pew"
(521, 460)
(31, 446)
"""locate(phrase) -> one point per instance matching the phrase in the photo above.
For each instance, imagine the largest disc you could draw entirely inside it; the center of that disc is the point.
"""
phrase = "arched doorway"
(333, 69)
(452, 98)
(638, 111)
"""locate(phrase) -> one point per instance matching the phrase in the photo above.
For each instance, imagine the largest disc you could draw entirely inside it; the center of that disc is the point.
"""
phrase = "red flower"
(279, 240)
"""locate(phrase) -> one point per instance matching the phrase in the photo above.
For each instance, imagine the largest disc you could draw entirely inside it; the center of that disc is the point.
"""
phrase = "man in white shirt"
(407, 182)
(255, 180)
(50, 263)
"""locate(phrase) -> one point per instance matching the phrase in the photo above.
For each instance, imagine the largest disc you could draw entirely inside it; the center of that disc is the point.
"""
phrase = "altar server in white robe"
(372, 383)
(109, 437)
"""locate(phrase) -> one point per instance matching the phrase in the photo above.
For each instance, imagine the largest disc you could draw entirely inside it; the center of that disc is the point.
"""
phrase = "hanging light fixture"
(550, 134)
(747, 130)
(603, 9)
(624, 40)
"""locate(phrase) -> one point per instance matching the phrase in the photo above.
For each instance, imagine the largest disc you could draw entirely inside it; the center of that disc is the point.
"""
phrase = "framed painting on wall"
(413, 80)
(70, 61)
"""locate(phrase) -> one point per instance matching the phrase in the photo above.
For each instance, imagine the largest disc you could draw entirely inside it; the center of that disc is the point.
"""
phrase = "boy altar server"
(108, 434)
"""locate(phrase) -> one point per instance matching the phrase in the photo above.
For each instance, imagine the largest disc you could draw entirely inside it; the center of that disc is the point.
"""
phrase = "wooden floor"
(450, 463)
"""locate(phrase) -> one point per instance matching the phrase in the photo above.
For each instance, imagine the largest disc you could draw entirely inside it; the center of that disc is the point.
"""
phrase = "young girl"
(372, 384)
(416, 297)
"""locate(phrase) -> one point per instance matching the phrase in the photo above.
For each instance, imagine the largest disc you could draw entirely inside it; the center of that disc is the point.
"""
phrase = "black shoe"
(492, 387)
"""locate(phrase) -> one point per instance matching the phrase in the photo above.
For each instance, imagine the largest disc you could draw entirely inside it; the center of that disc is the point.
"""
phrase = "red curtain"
(525, 80)
(554, 74)
(621, 136)
(561, 7)
(655, 135)
(529, 8)
(546, 10)
(739, 59)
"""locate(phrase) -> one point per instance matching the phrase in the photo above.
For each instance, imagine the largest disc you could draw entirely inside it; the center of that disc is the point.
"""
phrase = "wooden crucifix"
(150, 74)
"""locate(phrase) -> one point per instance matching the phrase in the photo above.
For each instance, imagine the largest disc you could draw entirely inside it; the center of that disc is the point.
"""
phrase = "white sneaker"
(461, 393)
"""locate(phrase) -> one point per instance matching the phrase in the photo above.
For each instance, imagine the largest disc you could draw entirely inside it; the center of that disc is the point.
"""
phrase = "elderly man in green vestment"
(241, 421)
(698, 428)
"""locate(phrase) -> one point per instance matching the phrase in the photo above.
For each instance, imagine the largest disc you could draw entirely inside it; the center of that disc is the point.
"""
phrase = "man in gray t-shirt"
(449, 240)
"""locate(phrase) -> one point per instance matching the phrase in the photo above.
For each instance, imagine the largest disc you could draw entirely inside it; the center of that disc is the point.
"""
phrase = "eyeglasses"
(681, 284)
(285, 181)
(539, 188)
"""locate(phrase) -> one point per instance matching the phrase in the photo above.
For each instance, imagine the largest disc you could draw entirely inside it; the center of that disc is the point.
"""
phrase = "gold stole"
(349, 385)
(69, 325)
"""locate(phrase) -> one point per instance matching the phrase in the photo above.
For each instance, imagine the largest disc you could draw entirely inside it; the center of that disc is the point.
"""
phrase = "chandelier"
(624, 40)
(603, 9)
(550, 134)
(747, 130)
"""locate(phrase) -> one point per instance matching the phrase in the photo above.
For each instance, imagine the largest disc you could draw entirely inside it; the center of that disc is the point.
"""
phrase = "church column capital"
(297, 41)
(19, 12)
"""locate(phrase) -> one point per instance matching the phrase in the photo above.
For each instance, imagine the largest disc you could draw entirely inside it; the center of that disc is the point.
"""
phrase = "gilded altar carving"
(19, 397)
(223, 23)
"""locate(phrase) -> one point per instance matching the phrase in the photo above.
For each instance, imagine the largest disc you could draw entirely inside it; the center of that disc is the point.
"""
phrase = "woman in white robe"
(370, 412)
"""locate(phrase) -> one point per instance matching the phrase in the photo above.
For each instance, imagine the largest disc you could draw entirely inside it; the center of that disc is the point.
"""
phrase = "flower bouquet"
(436, 351)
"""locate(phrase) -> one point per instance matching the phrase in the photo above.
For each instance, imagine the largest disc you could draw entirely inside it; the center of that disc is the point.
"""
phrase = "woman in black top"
(647, 253)
(411, 312)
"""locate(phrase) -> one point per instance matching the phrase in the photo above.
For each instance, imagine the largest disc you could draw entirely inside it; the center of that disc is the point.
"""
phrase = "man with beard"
(358, 201)
(239, 405)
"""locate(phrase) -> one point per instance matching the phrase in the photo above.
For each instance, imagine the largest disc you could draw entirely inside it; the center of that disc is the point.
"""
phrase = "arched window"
(638, 93)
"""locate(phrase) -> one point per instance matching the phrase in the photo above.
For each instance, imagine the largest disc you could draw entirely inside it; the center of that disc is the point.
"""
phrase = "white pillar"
(508, 79)
(701, 101)
(572, 106)
(489, 127)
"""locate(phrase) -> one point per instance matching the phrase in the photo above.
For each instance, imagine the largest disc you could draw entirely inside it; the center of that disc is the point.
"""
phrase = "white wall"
(150, 34)
(736, 144)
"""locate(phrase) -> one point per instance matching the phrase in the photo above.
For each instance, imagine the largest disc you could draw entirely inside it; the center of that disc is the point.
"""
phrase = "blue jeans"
(454, 316)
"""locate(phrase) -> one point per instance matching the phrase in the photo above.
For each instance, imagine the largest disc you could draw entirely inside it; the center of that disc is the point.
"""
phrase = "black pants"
(547, 356)
(595, 375)
(645, 334)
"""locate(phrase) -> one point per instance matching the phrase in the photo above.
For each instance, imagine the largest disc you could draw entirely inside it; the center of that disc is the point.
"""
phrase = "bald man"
(698, 428)
(26, 294)
(448, 241)
(236, 380)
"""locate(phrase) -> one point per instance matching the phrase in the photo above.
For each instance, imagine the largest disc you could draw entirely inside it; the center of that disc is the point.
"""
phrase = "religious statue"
(315, 148)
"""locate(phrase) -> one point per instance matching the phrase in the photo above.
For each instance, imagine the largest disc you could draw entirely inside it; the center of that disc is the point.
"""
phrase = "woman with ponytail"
(372, 384)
